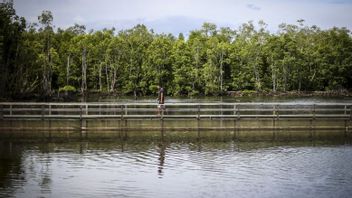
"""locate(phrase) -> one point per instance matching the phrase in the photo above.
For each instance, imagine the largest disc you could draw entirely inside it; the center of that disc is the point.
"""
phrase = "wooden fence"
(317, 114)
(174, 110)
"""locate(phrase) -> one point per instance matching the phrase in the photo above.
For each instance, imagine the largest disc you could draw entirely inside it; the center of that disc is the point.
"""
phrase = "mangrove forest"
(38, 59)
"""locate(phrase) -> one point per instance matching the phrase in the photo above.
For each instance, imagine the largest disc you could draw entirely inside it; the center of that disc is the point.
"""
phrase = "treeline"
(36, 59)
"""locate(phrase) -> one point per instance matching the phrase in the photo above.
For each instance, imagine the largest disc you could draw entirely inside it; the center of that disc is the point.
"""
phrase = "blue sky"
(174, 16)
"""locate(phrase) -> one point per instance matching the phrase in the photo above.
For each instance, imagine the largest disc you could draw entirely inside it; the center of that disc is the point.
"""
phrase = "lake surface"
(176, 169)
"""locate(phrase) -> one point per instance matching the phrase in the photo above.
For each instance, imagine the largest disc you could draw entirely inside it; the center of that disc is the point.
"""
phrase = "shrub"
(67, 88)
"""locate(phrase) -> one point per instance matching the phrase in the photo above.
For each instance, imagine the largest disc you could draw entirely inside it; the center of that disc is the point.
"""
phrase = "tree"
(45, 58)
(198, 48)
(217, 58)
(12, 71)
(138, 40)
(183, 71)
(157, 67)
(66, 53)
(116, 57)
(40, 60)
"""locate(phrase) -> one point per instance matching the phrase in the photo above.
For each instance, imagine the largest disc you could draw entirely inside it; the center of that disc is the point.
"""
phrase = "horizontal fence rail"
(116, 119)
(16, 110)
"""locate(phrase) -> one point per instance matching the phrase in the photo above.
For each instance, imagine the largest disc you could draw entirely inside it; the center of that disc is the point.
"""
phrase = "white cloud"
(253, 7)
(161, 14)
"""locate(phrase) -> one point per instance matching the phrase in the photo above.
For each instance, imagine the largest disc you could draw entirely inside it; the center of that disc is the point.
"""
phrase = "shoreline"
(342, 93)
(71, 97)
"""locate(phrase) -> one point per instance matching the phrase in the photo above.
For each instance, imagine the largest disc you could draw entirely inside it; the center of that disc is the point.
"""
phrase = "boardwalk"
(177, 116)
(174, 110)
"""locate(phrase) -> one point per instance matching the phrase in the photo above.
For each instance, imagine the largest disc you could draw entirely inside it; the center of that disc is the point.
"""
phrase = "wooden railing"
(17, 110)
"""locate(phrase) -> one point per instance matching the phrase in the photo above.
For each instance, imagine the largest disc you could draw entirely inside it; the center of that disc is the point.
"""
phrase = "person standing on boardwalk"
(161, 99)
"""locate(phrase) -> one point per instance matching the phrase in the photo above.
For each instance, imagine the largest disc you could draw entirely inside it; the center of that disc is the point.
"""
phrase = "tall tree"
(157, 67)
(138, 39)
(184, 74)
(12, 29)
(45, 58)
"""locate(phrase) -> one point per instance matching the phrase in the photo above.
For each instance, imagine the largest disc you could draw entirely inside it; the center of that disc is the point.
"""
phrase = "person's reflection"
(123, 144)
(199, 144)
(161, 150)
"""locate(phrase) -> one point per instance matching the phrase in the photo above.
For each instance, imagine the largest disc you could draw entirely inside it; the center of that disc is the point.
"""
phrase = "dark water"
(153, 169)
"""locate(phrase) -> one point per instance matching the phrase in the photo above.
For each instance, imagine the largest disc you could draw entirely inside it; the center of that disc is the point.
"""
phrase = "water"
(178, 169)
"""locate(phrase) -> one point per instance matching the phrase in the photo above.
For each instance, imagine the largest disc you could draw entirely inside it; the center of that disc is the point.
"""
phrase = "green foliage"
(248, 92)
(157, 66)
(67, 88)
(14, 68)
(183, 72)
(210, 61)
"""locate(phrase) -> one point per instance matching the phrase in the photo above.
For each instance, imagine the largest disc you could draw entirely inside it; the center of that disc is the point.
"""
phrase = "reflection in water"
(176, 169)
(161, 148)
(10, 167)
(45, 174)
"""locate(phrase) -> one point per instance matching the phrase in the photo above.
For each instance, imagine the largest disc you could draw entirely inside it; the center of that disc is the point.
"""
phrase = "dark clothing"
(161, 96)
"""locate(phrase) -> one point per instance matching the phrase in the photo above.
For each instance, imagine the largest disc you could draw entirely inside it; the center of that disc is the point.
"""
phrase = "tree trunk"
(44, 68)
(273, 74)
(100, 82)
(273, 78)
(50, 71)
(46, 76)
(299, 80)
(4, 69)
(107, 78)
(68, 70)
(84, 71)
(197, 66)
(221, 71)
(256, 75)
(47, 72)
(113, 81)
(285, 77)
(135, 94)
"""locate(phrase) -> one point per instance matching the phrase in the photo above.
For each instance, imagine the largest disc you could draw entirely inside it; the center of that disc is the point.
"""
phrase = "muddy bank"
(98, 96)
(289, 93)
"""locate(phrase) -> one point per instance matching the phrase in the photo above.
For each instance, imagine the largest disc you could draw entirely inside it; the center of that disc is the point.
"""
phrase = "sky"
(175, 16)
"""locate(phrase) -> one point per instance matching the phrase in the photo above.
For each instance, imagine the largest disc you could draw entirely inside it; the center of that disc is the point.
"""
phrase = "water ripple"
(179, 170)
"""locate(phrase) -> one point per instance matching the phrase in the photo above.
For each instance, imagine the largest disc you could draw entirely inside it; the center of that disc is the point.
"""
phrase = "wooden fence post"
(198, 122)
(42, 112)
(277, 113)
(80, 112)
(1, 112)
(198, 112)
(238, 122)
(80, 117)
(121, 111)
(274, 116)
(234, 122)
